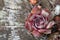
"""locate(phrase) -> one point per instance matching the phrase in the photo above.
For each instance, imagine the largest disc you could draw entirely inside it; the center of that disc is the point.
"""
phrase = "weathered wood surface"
(21, 9)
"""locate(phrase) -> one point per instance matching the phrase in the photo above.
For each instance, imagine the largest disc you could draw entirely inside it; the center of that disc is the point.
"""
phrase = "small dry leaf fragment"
(33, 2)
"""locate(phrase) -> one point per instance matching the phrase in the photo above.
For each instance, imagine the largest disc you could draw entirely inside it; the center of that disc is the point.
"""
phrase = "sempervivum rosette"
(38, 22)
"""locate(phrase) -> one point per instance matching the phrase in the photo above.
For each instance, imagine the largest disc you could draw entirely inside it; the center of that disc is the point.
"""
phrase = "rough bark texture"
(18, 10)
(1, 4)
